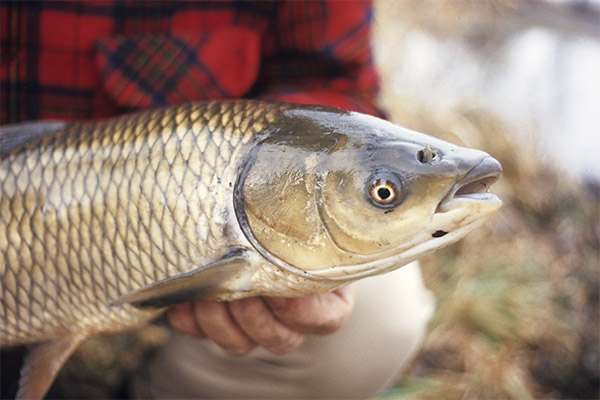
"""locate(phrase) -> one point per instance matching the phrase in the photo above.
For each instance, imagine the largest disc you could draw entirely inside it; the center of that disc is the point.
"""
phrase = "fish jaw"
(473, 188)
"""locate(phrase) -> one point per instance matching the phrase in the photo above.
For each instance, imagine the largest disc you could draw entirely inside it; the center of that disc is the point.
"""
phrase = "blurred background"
(517, 313)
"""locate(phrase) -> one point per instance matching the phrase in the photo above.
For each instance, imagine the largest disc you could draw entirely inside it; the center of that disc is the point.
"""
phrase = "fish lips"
(473, 187)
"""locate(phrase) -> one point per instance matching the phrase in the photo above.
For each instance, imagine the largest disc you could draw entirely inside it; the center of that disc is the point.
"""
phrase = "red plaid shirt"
(90, 59)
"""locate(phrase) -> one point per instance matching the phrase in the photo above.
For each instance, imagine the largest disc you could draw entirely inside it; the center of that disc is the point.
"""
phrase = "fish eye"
(384, 189)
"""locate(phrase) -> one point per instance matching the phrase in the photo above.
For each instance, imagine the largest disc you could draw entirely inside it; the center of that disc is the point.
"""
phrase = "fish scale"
(119, 209)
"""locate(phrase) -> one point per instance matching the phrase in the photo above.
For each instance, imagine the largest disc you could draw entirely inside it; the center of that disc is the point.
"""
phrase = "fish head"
(340, 195)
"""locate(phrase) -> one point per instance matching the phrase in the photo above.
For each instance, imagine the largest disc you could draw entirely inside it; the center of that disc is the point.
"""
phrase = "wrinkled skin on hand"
(278, 324)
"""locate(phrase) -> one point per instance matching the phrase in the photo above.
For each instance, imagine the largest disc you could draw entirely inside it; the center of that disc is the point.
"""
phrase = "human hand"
(278, 324)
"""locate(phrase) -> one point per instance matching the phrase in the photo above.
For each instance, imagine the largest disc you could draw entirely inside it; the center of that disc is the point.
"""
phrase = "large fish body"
(103, 224)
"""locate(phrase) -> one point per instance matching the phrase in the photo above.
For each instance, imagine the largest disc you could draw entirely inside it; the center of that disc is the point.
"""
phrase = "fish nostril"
(426, 156)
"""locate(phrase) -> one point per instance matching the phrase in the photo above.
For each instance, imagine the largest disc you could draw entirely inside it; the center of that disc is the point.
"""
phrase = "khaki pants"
(366, 355)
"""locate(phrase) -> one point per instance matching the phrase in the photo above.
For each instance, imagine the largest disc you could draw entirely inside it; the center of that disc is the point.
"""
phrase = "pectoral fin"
(43, 363)
(213, 281)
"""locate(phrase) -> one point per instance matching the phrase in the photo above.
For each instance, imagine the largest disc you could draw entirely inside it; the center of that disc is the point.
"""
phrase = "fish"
(104, 224)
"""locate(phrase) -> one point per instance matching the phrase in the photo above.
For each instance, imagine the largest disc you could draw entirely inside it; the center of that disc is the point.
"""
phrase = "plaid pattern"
(153, 70)
(90, 59)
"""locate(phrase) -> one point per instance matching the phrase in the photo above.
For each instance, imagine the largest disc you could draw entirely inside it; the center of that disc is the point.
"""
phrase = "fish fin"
(17, 135)
(202, 283)
(43, 363)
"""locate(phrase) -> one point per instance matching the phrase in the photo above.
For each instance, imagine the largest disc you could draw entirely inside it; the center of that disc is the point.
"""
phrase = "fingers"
(237, 327)
(278, 324)
(258, 322)
(320, 314)
(215, 320)
(181, 317)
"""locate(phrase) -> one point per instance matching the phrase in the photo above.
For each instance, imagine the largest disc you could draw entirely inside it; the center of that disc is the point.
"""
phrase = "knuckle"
(284, 344)
(182, 320)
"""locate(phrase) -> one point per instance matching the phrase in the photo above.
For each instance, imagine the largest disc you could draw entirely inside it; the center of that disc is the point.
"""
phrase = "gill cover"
(276, 195)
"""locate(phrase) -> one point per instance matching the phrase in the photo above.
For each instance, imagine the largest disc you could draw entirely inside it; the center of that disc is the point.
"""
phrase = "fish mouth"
(473, 188)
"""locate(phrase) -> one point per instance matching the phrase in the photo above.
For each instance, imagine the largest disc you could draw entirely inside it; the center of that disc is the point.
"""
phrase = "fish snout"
(474, 186)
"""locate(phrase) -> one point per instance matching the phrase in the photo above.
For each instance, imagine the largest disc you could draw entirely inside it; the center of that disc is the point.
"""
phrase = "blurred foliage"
(102, 365)
(518, 300)
(517, 313)
(478, 21)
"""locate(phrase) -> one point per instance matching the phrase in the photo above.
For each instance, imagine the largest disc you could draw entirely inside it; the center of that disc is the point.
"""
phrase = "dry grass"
(518, 300)
(517, 313)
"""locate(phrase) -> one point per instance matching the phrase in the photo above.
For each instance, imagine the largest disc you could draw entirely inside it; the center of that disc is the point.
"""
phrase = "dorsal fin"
(17, 135)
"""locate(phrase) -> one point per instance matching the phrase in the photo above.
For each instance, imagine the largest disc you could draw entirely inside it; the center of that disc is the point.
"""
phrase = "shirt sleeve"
(82, 60)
